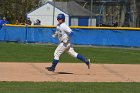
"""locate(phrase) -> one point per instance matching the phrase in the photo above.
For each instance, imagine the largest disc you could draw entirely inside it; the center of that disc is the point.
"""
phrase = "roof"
(71, 8)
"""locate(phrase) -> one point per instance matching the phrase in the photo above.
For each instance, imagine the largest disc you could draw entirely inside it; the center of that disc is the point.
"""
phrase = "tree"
(17, 9)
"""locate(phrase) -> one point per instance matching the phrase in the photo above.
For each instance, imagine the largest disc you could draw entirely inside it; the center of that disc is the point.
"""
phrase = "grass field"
(60, 87)
(14, 52)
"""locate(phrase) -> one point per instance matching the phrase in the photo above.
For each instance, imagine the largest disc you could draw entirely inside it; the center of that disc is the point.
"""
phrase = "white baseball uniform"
(62, 32)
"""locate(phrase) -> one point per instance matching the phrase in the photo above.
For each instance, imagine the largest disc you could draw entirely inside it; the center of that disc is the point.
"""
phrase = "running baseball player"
(64, 33)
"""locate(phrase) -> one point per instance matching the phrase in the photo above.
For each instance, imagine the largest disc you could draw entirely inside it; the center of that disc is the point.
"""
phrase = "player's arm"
(69, 33)
(55, 34)
(68, 30)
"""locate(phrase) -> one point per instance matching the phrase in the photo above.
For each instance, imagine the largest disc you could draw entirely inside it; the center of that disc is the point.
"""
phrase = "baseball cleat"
(50, 68)
(88, 64)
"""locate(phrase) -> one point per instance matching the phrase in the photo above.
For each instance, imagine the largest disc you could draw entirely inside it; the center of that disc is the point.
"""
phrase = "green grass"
(14, 52)
(61, 87)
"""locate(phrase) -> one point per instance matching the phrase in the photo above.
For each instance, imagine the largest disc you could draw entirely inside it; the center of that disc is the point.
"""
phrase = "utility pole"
(134, 16)
(91, 13)
(53, 12)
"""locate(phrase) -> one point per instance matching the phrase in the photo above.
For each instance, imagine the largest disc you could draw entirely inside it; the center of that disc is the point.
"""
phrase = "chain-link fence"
(114, 12)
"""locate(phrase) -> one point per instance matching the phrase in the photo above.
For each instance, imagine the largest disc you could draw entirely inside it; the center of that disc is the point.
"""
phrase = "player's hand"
(65, 40)
(54, 36)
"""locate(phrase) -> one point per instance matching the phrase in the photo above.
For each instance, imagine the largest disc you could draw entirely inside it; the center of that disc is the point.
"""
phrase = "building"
(75, 14)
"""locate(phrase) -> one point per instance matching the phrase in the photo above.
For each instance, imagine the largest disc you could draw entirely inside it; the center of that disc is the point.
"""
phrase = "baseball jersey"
(63, 32)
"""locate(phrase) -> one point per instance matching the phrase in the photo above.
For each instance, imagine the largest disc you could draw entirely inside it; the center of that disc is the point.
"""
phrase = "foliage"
(17, 9)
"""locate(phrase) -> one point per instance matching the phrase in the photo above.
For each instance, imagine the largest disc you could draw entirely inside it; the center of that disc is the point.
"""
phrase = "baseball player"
(64, 33)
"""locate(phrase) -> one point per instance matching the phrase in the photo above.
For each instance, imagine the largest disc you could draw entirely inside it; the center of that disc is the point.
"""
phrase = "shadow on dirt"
(63, 73)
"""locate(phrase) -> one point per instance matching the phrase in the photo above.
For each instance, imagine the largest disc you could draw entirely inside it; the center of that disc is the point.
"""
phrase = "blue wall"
(83, 21)
(81, 36)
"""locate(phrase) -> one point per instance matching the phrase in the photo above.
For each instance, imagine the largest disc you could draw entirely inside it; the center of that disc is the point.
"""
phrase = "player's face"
(60, 21)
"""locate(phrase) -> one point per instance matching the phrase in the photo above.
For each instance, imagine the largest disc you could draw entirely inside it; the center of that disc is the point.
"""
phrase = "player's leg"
(59, 50)
(78, 56)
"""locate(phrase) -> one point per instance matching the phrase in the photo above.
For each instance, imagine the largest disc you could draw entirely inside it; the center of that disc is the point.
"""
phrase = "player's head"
(61, 18)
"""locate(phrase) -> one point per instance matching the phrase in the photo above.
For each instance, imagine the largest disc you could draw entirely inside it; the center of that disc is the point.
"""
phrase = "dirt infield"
(70, 72)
